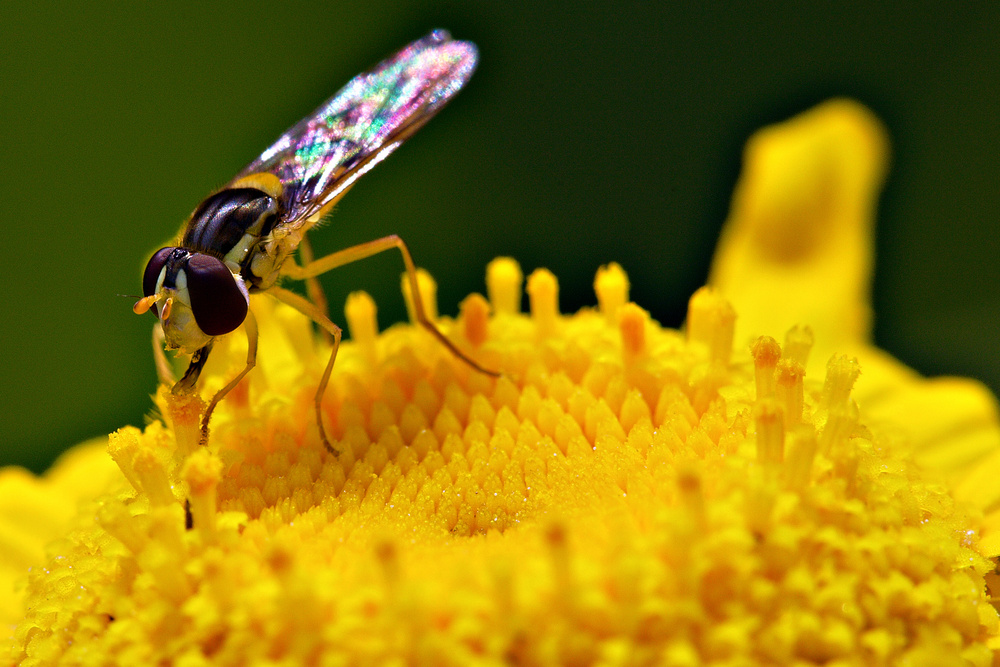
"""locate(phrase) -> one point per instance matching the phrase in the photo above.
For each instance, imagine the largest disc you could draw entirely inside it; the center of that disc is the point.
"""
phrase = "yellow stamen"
(151, 472)
(361, 314)
(770, 431)
(474, 313)
(543, 294)
(841, 374)
(122, 445)
(632, 324)
(184, 410)
(362, 323)
(790, 389)
(798, 343)
(710, 321)
(428, 295)
(765, 352)
(503, 285)
(202, 472)
(611, 285)
(801, 452)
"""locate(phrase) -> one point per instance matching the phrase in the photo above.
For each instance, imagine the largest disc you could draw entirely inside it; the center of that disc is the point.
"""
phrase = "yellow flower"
(623, 494)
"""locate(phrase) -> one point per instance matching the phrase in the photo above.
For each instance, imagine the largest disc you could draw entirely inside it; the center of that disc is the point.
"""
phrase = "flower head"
(623, 494)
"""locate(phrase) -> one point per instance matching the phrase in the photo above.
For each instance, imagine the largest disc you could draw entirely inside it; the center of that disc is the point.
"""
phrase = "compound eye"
(218, 303)
(152, 274)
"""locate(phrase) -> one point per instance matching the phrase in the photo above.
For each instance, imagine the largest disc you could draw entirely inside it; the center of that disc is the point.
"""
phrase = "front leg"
(164, 370)
(250, 326)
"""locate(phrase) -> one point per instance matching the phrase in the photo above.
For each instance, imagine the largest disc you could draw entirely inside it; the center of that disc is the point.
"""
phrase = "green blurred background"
(591, 132)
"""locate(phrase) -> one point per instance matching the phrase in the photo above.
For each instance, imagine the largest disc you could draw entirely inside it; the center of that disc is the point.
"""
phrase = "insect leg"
(250, 324)
(164, 371)
(365, 250)
(312, 312)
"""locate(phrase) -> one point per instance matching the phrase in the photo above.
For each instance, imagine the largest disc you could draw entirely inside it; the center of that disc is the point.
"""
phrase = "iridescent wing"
(319, 158)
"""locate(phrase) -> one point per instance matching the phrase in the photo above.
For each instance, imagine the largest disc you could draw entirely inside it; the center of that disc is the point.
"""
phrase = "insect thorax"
(235, 225)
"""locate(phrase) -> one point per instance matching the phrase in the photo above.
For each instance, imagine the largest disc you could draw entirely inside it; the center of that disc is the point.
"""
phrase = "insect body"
(239, 240)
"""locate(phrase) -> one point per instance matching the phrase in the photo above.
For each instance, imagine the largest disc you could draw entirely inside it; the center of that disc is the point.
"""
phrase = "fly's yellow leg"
(311, 311)
(365, 250)
(250, 324)
(164, 370)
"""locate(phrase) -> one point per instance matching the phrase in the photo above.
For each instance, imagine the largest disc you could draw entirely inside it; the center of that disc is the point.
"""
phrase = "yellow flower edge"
(623, 494)
(35, 511)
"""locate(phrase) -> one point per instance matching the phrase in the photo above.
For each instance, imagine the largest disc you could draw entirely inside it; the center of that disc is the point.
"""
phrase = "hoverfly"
(240, 239)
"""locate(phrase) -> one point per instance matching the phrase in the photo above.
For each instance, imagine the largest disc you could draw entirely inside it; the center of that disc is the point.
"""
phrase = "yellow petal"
(797, 247)
(34, 511)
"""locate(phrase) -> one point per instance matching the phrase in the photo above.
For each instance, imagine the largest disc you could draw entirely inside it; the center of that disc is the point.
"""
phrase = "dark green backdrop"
(591, 132)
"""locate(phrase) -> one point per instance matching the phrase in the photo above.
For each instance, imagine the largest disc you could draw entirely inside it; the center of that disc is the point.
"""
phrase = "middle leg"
(365, 250)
